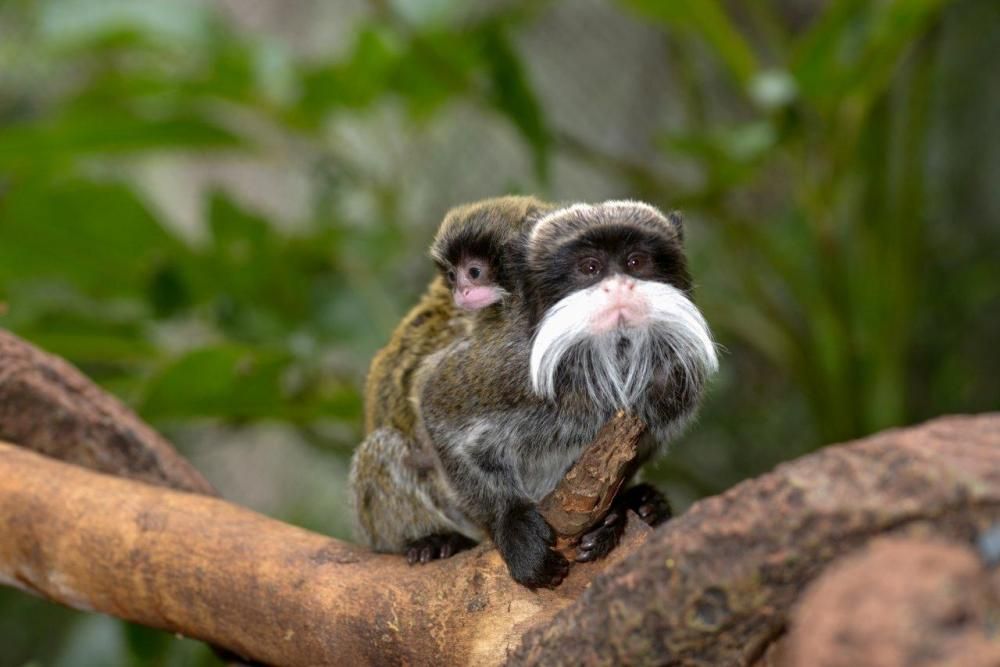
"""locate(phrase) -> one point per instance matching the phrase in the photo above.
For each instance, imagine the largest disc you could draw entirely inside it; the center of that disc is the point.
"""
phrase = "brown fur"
(429, 326)
(396, 485)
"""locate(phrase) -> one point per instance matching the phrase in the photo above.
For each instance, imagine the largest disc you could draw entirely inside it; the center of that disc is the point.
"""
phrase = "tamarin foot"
(643, 499)
(434, 547)
(648, 502)
(525, 541)
(599, 542)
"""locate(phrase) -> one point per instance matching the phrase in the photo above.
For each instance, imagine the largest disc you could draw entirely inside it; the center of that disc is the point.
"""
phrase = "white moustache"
(617, 334)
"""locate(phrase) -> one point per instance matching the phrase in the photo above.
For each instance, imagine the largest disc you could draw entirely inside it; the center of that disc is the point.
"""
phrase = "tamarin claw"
(435, 547)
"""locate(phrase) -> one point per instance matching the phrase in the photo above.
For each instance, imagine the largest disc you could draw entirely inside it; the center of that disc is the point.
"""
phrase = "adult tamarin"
(599, 319)
(391, 473)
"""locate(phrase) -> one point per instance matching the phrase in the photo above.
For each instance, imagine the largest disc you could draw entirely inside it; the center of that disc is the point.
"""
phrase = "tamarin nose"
(621, 284)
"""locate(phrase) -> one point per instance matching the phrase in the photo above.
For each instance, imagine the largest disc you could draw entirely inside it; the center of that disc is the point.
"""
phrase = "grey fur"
(420, 502)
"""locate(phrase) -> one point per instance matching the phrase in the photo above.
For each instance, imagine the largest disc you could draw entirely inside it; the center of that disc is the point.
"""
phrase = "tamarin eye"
(474, 272)
(637, 260)
(590, 266)
(451, 276)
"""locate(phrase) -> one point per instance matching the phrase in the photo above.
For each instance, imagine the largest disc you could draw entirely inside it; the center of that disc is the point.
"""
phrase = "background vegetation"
(218, 210)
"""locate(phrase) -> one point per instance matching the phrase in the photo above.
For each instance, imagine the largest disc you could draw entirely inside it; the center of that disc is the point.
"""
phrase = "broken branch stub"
(586, 492)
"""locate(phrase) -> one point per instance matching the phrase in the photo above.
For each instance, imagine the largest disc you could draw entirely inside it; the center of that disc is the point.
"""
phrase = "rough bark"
(48, 406)
(900, 602)
(714, 586)
(266, 590)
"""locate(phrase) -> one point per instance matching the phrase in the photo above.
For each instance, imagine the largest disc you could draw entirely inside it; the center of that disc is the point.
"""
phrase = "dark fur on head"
(485, 230)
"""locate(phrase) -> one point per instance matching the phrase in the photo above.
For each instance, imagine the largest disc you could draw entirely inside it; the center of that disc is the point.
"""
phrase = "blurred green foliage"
(845, 254)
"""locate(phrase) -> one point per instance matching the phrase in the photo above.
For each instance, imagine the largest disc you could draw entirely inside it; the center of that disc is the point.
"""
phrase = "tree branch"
(714, 585)
(586, 492)
(266, 590)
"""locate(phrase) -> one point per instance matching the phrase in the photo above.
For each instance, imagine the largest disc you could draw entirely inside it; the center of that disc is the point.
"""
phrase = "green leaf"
(355, 83)
(257, 288)
(855, 47)
(241, 382)
(438, 66)
(895, 28)
(146, 646)
(225, 381)
(747, 142)
(820, 53)
(90, 21)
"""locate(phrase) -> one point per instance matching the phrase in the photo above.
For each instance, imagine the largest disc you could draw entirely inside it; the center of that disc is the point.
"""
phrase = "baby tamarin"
(394, 479)
(469, 247)
(598, 318)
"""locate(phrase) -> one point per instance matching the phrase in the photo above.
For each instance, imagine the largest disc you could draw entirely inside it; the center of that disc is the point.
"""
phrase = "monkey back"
(429, 326)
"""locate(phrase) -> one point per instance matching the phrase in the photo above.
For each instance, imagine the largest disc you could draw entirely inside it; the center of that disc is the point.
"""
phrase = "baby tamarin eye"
(474, 272)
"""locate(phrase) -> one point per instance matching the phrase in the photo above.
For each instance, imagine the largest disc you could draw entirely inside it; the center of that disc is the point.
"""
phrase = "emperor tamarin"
(600, 319)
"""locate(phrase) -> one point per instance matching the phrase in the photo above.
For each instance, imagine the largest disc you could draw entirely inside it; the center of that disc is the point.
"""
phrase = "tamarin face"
(473, 282)
(607, 288)
(469, 254)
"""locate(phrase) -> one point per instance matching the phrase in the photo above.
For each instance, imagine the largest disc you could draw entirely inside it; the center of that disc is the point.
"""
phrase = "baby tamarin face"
(473, 282)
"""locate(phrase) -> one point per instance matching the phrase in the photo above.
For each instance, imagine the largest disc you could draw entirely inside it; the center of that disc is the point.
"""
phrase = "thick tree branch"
(263, 589)
(48, 406)
(712, 587)
(909, 601)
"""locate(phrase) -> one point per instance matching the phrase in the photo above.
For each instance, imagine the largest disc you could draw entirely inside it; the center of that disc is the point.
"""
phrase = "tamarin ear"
(677, 220)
